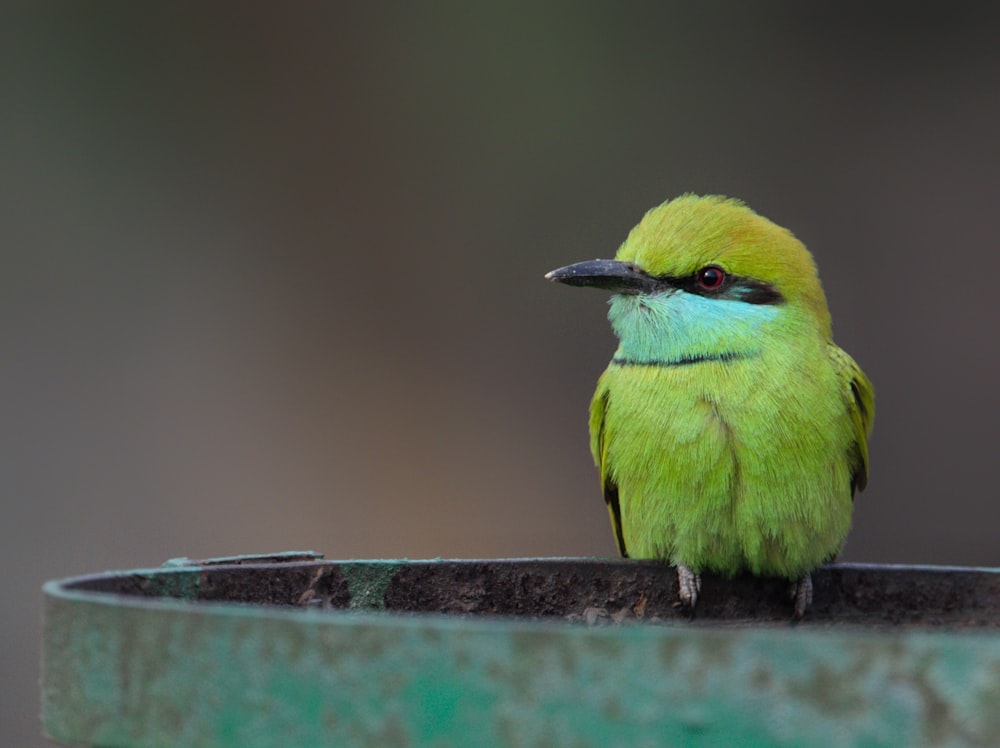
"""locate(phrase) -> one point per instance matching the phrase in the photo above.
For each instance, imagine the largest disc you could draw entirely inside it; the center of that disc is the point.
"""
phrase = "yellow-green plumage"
(730, 431)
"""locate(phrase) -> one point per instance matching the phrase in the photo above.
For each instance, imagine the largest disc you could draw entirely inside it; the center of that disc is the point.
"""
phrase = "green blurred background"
(272, 275)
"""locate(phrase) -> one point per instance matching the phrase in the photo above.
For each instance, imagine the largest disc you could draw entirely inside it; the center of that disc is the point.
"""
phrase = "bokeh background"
(272, 274)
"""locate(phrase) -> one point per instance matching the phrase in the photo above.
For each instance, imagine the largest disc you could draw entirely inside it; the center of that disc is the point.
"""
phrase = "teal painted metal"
(159, 669)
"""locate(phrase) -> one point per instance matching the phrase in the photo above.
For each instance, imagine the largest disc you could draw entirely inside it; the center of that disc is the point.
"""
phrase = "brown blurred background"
(272, 276)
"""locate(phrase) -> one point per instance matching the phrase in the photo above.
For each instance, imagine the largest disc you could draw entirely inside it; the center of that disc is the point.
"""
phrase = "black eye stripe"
(757, 292)
(732, 287)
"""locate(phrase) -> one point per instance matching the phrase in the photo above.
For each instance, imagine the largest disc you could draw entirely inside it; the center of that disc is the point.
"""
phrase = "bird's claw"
(802, 593)
(688, 586)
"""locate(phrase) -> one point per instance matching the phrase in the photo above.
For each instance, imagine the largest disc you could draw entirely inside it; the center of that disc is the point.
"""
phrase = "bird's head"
(705, 276)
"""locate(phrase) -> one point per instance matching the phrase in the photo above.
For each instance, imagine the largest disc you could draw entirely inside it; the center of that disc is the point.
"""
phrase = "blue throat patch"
(677, 328)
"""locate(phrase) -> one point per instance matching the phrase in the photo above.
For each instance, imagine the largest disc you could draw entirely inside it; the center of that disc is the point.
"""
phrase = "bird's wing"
(598, 447)
(860, 399)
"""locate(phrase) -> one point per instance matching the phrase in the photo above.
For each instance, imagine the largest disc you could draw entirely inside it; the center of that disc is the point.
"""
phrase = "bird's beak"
(611, 275)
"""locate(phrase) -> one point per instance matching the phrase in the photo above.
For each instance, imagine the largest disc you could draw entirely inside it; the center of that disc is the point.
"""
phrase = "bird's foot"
(802, 593)
(689, 586)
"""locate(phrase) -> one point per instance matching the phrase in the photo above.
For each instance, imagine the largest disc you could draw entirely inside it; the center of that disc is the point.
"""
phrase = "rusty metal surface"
(293, 650)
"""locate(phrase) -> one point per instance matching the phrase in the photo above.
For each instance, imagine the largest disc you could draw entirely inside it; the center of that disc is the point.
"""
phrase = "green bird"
(729, 430)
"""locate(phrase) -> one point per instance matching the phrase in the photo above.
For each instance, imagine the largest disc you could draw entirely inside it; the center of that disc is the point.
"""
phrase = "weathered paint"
(151, 671)
(367, 583)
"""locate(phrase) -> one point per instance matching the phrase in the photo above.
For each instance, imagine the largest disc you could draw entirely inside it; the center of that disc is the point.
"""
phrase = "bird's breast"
(713, 457)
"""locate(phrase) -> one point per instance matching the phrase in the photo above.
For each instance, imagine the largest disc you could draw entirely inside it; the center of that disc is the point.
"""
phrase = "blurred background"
(272, 275)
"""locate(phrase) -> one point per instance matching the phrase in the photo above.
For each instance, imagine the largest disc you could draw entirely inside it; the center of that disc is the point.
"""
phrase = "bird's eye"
(711, 277)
